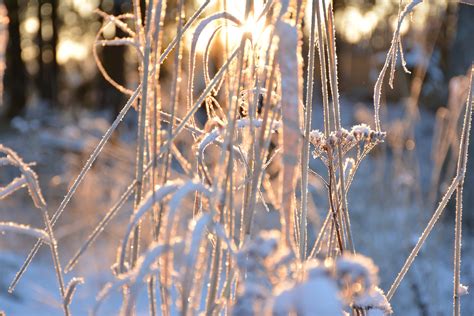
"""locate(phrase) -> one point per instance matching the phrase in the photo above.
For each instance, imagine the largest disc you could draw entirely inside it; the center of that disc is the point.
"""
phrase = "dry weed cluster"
(206, 255)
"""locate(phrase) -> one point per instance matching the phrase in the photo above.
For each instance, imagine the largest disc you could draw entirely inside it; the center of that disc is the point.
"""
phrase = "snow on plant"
(203, 253)
(273, 282)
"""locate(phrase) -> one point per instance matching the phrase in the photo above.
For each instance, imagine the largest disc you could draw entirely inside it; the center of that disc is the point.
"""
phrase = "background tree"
(113, 59)
(15, 74)
(47, 39)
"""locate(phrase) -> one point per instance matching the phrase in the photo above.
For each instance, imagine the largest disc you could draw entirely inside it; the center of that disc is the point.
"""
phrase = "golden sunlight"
(68, 50)
(229, 33)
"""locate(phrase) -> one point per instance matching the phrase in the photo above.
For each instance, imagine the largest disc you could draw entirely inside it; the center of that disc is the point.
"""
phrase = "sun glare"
(254, 27)
(231, 34)
(68, 50)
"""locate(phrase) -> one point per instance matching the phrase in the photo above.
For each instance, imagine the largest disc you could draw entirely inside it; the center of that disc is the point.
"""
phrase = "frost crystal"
(463, 290)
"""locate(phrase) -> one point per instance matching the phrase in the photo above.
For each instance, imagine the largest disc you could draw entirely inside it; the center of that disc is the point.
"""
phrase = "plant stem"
(461, 172)
(307, 129)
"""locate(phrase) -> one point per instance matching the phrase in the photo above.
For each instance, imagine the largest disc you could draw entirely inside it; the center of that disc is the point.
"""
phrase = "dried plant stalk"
(288, 61)
(455, 184)
(74, 186)
(461, 170)
(15, 185)
(36, 195)
(25, 230)
(307, 129)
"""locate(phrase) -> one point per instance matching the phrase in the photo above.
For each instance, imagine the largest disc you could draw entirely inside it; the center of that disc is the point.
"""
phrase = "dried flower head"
(360, 134)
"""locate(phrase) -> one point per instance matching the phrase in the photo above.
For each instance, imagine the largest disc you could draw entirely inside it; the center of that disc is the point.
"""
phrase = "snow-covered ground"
(386, 221)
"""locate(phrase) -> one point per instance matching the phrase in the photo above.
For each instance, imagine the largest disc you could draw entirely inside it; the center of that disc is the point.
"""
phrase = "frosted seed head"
(316, 138)
(344, 133)
(381, 136)
(361, 131)
(350, 138)
(372, 136)
(332, 140)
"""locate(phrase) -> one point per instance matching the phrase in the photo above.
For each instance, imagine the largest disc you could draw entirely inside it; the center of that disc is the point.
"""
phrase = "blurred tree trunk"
(113, 59)
(15, 74)
(46, 80)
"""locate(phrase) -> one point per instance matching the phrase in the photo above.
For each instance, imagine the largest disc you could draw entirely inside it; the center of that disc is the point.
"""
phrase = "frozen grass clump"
(272, 281)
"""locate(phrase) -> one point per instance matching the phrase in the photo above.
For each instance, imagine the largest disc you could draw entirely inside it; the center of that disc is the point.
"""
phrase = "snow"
(37, 292)
(463, 290)
(357, 269)
(375, 302)
(276, 284)
(318, 295)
